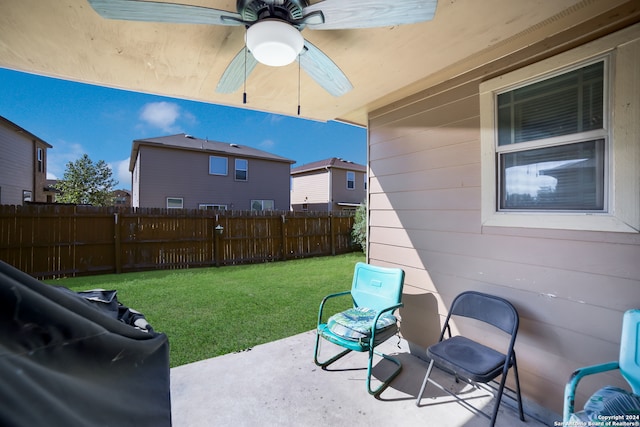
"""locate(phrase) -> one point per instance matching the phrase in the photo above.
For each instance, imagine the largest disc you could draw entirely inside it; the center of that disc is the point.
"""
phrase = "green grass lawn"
(213, 311)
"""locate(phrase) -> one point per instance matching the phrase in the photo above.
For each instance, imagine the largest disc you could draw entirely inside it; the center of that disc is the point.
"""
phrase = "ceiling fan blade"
(342, 15)
(149, 11)
(323, 70)
(236, 73)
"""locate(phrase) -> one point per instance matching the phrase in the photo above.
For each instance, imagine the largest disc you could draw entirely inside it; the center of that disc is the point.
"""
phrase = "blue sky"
(78, 118)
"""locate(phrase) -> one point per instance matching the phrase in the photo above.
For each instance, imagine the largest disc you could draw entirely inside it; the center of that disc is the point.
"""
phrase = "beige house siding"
(311, 188)
(169, 172)
(425, 196)
(19, 165)
(322, 185)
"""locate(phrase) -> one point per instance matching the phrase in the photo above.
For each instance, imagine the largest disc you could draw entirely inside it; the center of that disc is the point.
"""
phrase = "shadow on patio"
(278, 384)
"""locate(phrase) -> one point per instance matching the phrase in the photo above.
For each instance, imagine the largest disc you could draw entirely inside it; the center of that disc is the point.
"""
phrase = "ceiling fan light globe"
(274, 43)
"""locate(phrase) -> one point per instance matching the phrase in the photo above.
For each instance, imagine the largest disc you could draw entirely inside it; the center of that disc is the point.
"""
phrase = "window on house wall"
(364, 182)
(218, 165)
(27, 196)
(242, 170)
(175, 203)
(556, 139)
(40, 156)
(552, 143)
(212, 207)
(351, 180)
(262, 205)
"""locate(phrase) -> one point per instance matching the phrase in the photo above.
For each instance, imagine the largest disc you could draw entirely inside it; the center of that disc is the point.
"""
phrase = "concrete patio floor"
(277, 384)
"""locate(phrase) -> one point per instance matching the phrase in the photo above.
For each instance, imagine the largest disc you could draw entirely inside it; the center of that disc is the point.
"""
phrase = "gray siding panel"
(181, 173)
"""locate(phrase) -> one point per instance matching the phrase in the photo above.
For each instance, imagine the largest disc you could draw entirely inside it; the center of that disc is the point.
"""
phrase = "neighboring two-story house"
(23, 166)
(181, 171)
(328, 185)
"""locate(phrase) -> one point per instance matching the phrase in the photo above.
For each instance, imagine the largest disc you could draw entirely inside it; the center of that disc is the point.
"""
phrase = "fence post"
(333, 234)
(284, 238)
(217, 232)
(117, 243)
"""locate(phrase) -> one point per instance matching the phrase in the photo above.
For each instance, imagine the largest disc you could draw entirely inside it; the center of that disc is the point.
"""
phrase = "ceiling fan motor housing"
(287, 10)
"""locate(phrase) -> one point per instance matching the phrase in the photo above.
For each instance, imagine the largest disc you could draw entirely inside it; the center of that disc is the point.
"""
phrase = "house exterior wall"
(341, 194)
(570, 286)
(135, 183)
(40, 173)
(311, 188)
(19, 166)
(324, 189)
(165, 172)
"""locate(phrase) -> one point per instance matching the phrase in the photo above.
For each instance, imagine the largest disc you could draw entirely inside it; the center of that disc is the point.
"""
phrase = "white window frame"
(622, 205)
(262, 203)
(175, 199)
(40, 156)
(352, 180)
(212, 206)
(226, 165)
(245, 170)
(561, 140)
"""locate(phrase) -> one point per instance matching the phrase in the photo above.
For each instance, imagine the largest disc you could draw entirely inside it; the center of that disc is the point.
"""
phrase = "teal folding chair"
(375, 292)
(610, 401)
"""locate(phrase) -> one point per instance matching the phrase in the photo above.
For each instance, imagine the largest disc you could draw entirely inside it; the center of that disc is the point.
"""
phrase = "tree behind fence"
(49, 241)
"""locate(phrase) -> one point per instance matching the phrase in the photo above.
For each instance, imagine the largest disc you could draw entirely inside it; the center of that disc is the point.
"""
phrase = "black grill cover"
(67, 361)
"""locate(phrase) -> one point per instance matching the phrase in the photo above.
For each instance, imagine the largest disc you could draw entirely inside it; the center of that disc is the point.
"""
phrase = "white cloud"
(267, 144)
(120, 171)
(162, 115)
(274, 119)
(58, 157)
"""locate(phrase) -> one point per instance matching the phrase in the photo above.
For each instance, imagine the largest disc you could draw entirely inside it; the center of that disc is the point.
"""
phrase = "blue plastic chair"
(375, 292)
(470, 360)
(611, 400)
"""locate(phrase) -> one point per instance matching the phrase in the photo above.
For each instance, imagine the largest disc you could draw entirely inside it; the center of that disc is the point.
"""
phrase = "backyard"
(208, 312)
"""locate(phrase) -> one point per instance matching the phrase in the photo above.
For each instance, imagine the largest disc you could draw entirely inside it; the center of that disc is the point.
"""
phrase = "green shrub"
(359, 230)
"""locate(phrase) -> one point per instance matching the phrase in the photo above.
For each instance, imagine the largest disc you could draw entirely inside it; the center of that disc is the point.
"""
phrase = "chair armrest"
(324, 300)
(375, 321)
(570, 388)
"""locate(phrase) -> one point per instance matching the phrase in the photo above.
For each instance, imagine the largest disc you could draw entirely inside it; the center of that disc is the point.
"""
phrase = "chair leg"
(515, 372)
(424, 383)
(390, 378)
(498, 399)
(327, 362)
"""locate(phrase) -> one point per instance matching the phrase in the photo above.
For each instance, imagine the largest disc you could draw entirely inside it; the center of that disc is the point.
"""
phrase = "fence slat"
(48, 241)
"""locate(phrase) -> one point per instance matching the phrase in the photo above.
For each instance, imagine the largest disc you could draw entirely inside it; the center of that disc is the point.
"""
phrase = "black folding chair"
(468, 359)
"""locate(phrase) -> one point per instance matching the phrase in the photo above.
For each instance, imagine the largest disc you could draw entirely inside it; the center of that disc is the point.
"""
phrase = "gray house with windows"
(328, 185)
(23, 166)
(184, 172)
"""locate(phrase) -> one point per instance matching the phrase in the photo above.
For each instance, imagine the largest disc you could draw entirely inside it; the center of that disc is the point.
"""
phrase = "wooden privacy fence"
(49, 241)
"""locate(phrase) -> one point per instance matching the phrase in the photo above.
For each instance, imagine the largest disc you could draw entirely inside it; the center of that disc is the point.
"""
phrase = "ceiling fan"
(273, 29)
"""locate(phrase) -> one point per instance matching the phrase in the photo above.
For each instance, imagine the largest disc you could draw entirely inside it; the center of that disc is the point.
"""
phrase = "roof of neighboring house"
(187, 142)
(19, 129)
(333, 162)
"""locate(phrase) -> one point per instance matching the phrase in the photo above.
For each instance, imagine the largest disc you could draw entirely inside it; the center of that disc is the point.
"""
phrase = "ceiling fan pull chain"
(244, 94)
(298, 84)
